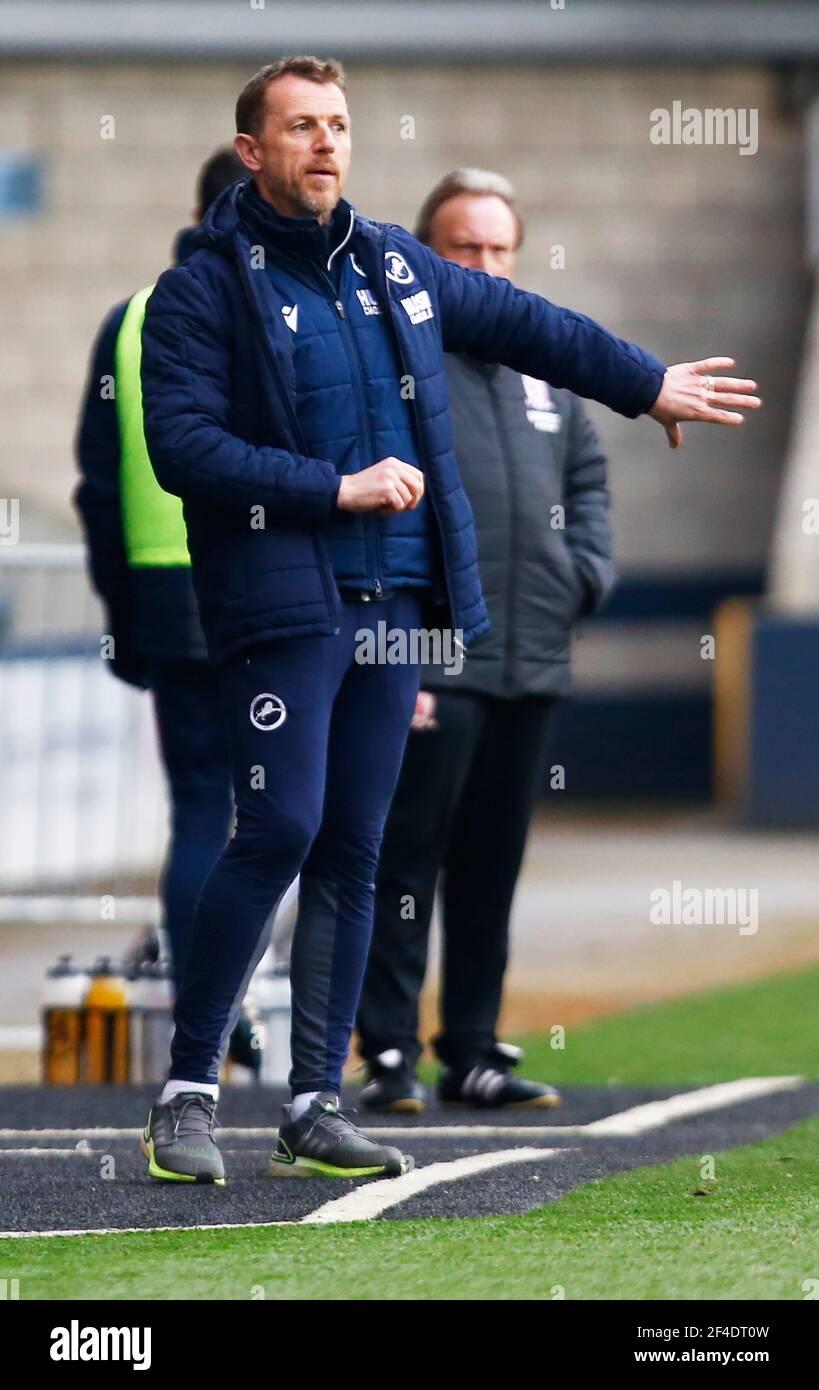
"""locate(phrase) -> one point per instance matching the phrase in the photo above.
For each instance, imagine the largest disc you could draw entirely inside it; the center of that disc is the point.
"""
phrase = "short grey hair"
(480, 183)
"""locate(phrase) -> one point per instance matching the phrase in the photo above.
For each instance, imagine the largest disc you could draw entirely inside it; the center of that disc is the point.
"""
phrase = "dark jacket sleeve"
(97, 499)
(494, 321)
(97, 496)
(186, 394)
(586, 499)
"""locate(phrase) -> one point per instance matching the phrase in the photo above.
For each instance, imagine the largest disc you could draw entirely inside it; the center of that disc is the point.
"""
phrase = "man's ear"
(247, 150)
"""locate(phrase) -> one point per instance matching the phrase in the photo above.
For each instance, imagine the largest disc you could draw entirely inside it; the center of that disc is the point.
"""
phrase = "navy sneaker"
(324, 1143)
(491, 1085)
(392, 1085)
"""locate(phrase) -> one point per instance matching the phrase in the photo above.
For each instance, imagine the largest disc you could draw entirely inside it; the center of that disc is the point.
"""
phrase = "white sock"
(174, 1088)
(301, 1102)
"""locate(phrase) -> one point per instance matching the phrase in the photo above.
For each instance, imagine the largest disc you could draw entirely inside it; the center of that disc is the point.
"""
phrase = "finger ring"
(709, 383)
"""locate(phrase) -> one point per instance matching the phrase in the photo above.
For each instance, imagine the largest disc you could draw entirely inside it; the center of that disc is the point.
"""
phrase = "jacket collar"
(187, 241)
(303, 238)
(223, 217)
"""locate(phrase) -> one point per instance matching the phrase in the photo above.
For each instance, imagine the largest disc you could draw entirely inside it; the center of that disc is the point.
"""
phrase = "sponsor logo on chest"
(418, 306)
(368, 301)
(540, 408)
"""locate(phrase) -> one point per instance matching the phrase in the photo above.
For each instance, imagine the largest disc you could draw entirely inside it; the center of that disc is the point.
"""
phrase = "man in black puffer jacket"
(535, 475)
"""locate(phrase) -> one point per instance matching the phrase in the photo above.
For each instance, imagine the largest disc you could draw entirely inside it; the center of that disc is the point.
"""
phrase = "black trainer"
(245, 1045)
(392, 1085)
(324, 1143)
(178, 1140)
(489, 1084)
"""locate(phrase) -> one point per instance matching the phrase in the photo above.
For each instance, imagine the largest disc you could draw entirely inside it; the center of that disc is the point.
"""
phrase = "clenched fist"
(387, 486)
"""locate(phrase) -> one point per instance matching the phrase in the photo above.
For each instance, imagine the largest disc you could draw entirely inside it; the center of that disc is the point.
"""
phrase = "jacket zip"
(511, 570)
(330, 589)
(371, 541)
(370, 522)
(431, 490)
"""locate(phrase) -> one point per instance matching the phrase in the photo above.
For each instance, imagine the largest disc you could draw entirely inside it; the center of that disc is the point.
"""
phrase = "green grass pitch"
(639, 1235)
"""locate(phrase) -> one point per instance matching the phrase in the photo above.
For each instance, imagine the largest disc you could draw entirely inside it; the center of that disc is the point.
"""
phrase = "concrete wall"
(690, 250)
(794, 573)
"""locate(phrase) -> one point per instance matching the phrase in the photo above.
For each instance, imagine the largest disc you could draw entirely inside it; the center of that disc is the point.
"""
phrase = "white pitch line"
(144, 1230)
(378, 1132)
(41, 1153)
(398, 1191)
(386, 1193)
(70, 1133)
(366, 1202)
(656, 1113)
(635, 1120)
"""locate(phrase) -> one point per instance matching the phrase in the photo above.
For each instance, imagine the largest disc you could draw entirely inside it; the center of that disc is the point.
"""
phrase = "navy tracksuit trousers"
(316, 741)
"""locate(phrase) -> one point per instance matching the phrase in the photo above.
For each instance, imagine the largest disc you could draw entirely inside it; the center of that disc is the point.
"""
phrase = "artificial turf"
(752, 1233)
(766, 1028)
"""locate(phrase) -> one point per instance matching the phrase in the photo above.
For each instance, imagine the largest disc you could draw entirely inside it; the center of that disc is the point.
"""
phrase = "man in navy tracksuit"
(295, 399)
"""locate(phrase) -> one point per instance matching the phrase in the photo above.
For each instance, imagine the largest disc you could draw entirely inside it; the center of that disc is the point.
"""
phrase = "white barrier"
(84, 806)
(83, 795)
(83, 791)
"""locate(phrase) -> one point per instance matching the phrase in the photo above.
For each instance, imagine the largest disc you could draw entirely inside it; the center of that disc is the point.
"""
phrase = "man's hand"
(388, 486)
(690, 392)
(425, 706)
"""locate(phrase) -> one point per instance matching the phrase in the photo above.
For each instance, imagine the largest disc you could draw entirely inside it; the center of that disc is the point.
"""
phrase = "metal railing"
(83, 808)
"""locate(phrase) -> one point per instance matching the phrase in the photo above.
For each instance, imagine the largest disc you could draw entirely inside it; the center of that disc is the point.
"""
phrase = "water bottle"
(107, 1026)
(63, 996)
(270, 997)
(156, 1018)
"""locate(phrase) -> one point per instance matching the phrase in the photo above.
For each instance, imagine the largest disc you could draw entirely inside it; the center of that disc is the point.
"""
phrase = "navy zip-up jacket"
(222, 421)
(348, 402)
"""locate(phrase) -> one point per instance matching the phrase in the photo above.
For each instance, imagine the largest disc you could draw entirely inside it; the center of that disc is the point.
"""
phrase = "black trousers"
(194, 748)
(462, 807)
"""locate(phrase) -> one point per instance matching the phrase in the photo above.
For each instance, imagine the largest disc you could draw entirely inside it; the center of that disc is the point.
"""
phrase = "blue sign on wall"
(22, 182)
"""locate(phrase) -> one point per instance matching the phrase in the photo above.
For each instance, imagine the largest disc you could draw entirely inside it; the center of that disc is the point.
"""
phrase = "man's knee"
(282, 839)
(346, 853)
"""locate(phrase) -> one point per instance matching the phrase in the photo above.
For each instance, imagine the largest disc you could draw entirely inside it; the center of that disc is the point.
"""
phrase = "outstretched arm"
(491, 319)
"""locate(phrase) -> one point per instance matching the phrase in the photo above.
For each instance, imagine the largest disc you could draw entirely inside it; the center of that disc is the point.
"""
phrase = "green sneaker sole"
(314, 1168)
(166, 1175)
